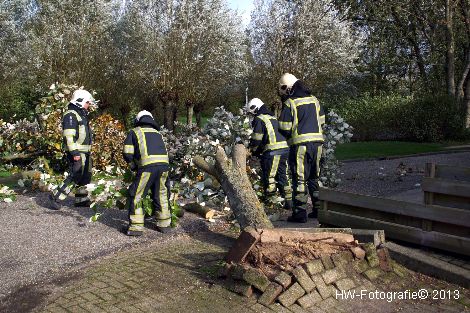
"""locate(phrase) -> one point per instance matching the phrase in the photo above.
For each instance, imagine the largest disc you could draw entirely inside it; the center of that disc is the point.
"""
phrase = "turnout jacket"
(76, 131)
(302, 117)
(144, 145)
(266, 136)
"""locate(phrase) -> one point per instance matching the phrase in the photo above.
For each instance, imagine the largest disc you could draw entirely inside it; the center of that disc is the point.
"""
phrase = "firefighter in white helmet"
(77, 139)
(271, 148)
(301, 121)
(145, 152)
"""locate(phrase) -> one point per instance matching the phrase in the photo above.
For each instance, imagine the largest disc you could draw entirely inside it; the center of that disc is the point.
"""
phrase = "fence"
(431, 224)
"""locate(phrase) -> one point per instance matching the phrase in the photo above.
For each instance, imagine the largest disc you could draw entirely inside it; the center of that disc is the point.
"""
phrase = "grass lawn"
(377, 149)
(5, 173)
(7, 180)
(182, 119)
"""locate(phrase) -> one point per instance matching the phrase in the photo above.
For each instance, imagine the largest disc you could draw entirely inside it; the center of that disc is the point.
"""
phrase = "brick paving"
(179, 276)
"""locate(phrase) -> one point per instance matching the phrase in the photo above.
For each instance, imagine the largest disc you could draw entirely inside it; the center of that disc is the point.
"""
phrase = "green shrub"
(428, 118)
(431, 118)
(373, 118)
(17, 102)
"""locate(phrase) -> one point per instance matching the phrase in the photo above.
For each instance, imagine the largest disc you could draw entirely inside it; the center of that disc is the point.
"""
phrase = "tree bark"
(461, 84)
(200, 210)
(412, 39)
(466, 104)
(231, 173)
(198, 110)
(21, 156)
(189, 112)
(463, 93)
(450, 53)
(169, 100)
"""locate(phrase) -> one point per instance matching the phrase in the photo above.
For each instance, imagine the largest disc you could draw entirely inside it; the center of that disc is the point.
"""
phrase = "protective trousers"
(153, 178)
(304, 162)
(79, 175)
(274, 175)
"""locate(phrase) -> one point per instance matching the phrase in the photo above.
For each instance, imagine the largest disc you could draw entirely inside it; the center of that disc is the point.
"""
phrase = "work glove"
(77, 167)
(132, 166)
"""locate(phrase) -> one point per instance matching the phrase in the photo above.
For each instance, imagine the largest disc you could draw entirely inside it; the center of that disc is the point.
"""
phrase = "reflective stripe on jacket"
(301, 120)
(76, 132)
(145, 146)
(266, 135)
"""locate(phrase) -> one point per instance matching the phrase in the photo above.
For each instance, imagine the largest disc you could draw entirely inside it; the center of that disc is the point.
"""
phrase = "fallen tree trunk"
(21, 156)
(200, 210)
(231, 173)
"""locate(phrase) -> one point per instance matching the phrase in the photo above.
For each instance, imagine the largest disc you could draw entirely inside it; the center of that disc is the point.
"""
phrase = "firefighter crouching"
(145, 152)
(301, 122)
(77, 139)
(271, 147)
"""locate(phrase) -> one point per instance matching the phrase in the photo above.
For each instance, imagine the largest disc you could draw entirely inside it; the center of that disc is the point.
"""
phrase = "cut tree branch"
(231, 173)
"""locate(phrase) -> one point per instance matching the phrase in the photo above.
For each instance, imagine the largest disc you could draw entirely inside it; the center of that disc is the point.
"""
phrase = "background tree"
(413, 46)
(305, 38)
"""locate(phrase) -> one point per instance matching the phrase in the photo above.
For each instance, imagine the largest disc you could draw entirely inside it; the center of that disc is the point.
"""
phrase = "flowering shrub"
(108, 135)
(225, 129)
(336, 132)
(21, 136)
(7, 194)
(49, 113)
(44, 133)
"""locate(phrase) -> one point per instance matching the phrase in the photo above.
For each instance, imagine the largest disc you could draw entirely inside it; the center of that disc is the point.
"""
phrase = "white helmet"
(81, 96)
(254, 105)
(142, 114)
(286, 82)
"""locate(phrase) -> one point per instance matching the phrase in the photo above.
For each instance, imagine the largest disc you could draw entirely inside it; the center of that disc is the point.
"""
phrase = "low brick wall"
(317, 282)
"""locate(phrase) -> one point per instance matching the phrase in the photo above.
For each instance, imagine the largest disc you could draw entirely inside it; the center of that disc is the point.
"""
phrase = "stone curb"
(367, 235)
(321, 230)
(425, 264)
(361, 235)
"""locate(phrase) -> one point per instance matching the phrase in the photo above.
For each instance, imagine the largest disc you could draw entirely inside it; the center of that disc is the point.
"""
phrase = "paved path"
(180, 276)
(389, 177)
(38, 244)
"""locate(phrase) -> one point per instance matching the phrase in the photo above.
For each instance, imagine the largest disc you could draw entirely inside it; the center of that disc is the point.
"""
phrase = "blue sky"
(244, 7)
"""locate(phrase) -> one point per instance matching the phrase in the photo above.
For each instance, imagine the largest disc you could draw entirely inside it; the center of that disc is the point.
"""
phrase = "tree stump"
(231, 173)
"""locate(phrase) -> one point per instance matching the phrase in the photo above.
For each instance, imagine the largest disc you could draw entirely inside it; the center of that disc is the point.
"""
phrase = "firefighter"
(301, 122)
(145, 152)
(271, 147)
(77, 138)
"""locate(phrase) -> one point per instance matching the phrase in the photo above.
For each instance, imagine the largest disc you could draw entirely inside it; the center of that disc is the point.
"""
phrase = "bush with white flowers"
(336, 132)
(22, 136)
(225, 129)
(42, 134)
(7, 194)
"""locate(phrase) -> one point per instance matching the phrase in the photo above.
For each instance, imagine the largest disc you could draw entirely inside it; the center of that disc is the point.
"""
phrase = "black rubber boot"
(165, 230)
(134, 233)
(85, 203)
(316, 206)
(288, 205)
(313, 214)
(298, 217)
(53, 203)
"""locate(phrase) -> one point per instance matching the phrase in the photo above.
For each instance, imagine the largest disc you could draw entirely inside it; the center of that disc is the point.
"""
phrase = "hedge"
(428, 118)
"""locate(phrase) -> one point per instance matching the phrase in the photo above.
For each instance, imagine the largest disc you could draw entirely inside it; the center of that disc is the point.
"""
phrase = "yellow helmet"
(286, 82)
